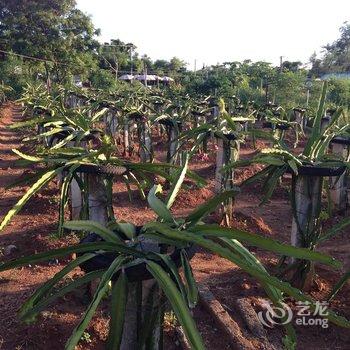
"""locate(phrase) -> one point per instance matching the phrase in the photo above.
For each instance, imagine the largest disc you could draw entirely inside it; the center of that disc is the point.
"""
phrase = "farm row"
(150, 140)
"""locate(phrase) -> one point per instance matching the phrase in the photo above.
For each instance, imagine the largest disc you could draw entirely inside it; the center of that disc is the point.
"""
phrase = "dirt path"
(31, 229)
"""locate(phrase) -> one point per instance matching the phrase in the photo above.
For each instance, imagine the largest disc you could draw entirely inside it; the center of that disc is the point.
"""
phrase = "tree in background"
(122, 58)
(292, 66)
(340, 92)
(63, 35)
(252, 81)
(289, 88)
(113, 58)
(15, 73)
(52, 29)
(119, 56)
(336, 56)
(103, 79)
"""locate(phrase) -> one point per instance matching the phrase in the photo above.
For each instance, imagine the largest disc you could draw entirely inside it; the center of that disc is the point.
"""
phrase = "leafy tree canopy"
(336, 56)
(50, 29)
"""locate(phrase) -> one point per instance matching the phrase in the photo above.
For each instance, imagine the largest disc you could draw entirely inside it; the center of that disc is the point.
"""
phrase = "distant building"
(345, 75)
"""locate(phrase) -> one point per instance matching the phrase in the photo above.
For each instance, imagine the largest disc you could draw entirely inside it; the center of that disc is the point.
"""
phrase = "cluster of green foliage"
(336, 56)
(259, 81)
(54, 30)
(57, 31)
(119, 56)
(16, 73)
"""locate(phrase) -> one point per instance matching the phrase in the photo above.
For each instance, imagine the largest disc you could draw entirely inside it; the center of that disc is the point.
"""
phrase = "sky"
(212, 32)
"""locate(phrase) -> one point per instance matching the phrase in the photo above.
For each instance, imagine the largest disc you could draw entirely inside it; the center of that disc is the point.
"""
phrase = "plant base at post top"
(144, 302)
(143, 306)
(144, 296)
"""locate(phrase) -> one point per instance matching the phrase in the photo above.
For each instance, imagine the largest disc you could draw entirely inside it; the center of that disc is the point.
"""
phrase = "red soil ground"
(31, 231)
